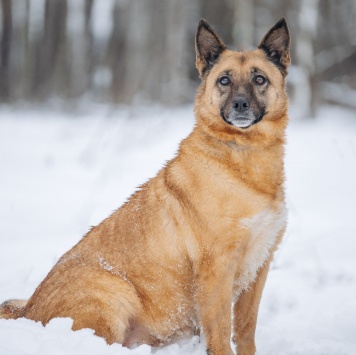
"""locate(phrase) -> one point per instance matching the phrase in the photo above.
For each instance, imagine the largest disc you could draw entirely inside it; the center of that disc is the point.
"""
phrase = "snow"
(61, 174)
(57, 339)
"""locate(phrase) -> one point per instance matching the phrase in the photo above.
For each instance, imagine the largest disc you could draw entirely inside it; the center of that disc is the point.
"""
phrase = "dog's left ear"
(276, 45)
(208, 47)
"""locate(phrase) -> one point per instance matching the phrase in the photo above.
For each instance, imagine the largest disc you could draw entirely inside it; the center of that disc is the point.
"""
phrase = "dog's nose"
(241, 104)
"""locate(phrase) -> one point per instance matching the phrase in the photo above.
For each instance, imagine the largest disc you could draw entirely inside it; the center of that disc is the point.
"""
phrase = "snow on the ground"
(60, 174)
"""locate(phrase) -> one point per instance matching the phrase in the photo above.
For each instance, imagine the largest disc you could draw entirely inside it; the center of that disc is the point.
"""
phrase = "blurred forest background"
(142, 51)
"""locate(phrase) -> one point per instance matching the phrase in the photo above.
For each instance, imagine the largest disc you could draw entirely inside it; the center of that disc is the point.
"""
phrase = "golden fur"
(194, 239)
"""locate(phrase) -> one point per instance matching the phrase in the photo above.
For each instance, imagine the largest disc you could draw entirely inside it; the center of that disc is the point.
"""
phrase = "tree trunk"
(52, 69)
(243, 25)
(79, 39)
(305, 97)
(5, 83)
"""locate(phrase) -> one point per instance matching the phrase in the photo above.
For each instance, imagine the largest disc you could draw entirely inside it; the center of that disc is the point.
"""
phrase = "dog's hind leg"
(93, 298)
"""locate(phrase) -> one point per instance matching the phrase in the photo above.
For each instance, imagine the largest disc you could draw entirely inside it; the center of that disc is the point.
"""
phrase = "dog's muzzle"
(240, 114)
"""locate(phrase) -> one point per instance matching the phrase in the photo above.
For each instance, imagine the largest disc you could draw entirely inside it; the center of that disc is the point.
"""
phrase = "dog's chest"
(262, 232)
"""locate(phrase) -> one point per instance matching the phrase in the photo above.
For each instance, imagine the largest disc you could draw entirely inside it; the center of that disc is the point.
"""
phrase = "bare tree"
(305, 88)
(243, 26)
(5, 85)
(52, 69)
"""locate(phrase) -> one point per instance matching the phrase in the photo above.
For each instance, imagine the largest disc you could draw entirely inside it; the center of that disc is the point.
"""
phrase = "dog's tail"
(12, 309)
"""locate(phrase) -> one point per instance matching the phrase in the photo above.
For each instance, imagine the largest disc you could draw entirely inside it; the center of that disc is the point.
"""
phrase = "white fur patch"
(264, 228)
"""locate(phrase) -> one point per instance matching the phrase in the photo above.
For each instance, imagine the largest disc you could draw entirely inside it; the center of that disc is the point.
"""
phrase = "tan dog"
(199, 237)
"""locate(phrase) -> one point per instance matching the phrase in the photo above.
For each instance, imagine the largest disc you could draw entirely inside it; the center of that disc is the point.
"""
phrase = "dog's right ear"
(208, 47)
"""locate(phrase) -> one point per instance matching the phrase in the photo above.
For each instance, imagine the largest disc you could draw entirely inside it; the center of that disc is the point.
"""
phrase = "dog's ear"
(276, 45)
(208, 47)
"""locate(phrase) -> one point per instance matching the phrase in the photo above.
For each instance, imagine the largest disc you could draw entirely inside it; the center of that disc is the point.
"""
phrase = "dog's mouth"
(243, 121)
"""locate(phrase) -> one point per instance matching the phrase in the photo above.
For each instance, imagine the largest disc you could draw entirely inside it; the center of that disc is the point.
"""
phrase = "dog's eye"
(224, 80)
(259, 80)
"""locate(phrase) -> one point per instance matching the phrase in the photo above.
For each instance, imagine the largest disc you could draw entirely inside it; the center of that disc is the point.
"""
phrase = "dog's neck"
(246, 163)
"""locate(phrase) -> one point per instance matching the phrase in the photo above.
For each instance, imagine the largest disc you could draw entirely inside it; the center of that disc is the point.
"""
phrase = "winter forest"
(95, 97)
(126, 52)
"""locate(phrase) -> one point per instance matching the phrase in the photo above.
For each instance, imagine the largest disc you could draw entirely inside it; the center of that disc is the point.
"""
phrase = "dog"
(191, 249)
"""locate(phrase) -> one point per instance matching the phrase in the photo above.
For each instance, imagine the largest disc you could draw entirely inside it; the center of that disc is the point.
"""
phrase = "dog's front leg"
(246, 308)
(214, 281)
(245, 313)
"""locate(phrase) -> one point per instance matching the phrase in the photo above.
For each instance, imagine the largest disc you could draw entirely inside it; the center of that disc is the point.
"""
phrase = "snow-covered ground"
(60, 174)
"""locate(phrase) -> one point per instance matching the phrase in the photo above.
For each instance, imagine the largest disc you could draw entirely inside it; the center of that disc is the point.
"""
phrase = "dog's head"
(242, 91)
